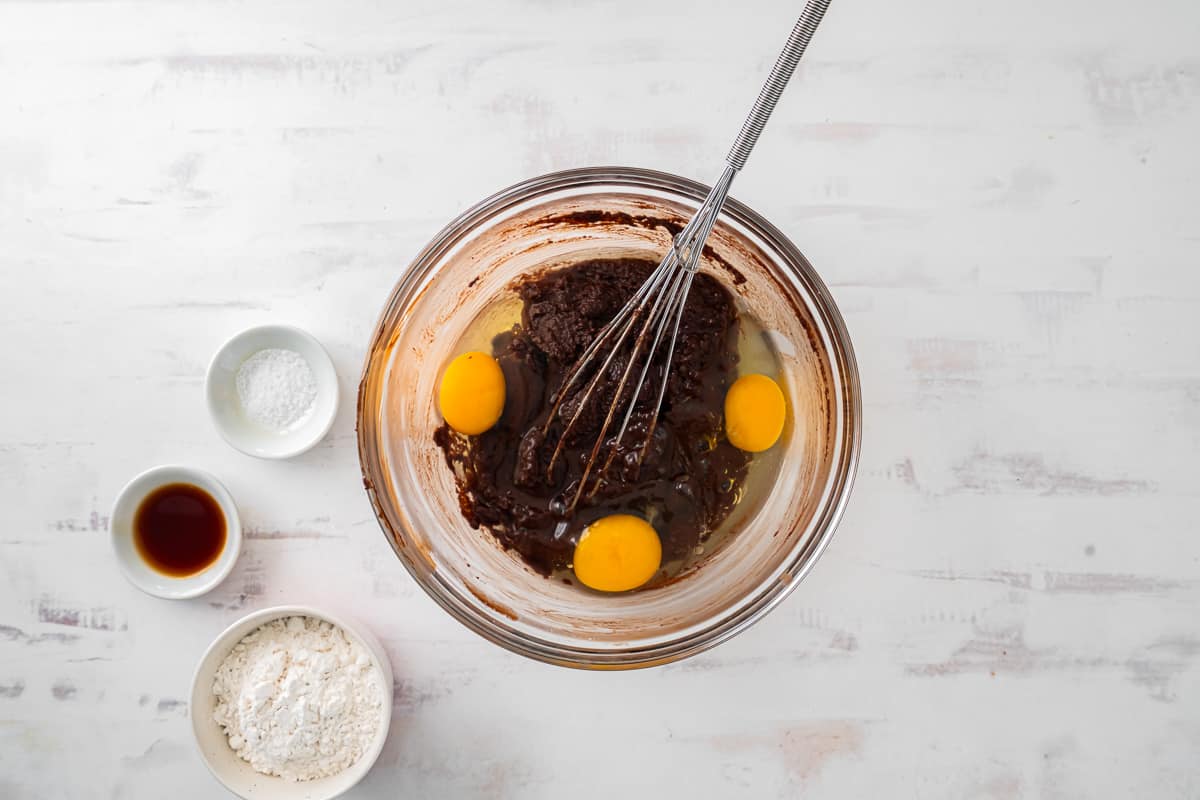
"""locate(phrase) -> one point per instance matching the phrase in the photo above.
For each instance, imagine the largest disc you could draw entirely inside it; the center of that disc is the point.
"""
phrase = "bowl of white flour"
(291, 702)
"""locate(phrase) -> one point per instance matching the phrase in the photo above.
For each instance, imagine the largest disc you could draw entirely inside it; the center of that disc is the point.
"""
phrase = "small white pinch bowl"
(141, 574)
(220, 389)
(237, 775)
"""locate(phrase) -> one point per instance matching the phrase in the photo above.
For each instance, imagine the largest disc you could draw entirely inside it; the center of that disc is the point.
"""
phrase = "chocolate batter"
(691, 477)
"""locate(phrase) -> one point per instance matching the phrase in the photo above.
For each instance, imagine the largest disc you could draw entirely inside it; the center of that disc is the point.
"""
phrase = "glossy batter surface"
(691, 476)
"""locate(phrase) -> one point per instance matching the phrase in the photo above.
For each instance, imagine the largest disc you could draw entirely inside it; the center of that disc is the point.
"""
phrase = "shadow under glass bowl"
(558, 219)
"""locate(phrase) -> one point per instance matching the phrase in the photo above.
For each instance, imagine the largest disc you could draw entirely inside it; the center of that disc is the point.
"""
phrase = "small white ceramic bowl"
(220, 388)
(237, 775)
(141, 574)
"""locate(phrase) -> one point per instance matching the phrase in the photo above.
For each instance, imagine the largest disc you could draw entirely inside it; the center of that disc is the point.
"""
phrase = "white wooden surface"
(1002, 196)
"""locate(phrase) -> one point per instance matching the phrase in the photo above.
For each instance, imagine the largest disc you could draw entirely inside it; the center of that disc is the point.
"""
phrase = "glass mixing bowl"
(557, 219)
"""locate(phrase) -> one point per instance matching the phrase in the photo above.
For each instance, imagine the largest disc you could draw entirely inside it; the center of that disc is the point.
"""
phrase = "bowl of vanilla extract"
(492, 496)
(175, 531)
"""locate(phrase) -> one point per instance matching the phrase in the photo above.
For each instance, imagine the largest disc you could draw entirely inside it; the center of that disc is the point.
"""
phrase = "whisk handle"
(785, 65)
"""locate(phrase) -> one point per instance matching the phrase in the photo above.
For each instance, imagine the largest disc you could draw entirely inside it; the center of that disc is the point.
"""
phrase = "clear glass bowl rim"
(801, 560)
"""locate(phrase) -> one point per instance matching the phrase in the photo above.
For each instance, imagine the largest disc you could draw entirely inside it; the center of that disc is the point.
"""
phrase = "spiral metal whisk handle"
(785, 65)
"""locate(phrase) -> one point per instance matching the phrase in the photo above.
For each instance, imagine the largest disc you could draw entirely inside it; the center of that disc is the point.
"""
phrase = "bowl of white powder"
(272, 391)
(291, 702)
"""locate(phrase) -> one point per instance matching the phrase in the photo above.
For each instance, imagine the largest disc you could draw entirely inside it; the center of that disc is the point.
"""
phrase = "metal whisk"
(658, 304)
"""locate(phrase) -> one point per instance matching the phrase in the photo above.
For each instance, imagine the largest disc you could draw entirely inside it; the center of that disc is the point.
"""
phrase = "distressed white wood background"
(1002, 196)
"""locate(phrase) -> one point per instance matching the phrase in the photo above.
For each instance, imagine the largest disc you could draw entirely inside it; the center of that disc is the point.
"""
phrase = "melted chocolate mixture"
(691, 476)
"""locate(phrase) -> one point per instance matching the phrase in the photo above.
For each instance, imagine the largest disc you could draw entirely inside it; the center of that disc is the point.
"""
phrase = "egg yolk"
(471, 397)
(617, 553)
(754, 413)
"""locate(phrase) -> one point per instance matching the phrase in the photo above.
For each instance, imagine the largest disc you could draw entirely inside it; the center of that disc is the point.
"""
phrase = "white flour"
(276, 388)
(298, 699)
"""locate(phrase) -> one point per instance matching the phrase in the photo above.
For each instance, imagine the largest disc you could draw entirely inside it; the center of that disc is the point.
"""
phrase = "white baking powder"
(276, 388)
(298, 699)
